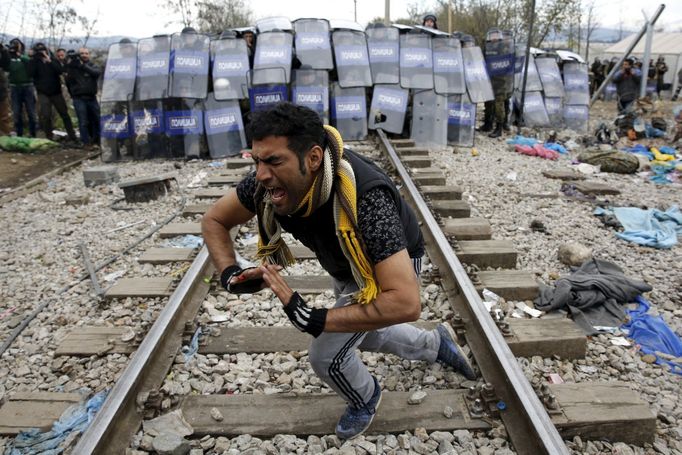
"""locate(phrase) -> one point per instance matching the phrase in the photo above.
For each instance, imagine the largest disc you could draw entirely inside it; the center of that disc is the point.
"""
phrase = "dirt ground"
(19, 168)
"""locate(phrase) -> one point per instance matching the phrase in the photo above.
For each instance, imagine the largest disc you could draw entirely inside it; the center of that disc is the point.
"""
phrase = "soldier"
(499, 56)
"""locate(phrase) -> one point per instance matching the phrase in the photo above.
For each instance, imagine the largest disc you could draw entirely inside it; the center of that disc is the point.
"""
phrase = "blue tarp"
(653, 335)
(522, 140)
(651, 227)
(75, 418)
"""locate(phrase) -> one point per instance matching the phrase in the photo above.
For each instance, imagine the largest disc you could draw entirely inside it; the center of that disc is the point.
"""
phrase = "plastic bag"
(25, 144)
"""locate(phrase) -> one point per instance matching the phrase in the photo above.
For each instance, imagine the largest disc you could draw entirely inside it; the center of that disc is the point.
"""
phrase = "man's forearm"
(386, 310)
(219, 243)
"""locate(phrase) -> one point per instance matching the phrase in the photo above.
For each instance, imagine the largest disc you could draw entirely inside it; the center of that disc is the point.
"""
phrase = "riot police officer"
(499, 56)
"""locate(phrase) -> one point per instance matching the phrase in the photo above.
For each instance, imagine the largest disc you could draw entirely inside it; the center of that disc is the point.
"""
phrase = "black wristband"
(228, 273)
(304, 318)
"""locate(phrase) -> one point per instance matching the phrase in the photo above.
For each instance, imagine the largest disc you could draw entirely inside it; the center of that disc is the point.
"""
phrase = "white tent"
(668, 45)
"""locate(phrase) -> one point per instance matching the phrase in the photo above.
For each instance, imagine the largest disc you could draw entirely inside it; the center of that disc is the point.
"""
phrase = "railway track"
(464, 260)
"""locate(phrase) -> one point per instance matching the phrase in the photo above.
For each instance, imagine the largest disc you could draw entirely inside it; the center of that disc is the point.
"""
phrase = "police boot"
(487, 126)
(497, 132)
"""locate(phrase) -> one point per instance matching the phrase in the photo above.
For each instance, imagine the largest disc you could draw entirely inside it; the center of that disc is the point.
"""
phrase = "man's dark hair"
(62, 49)
(300, 125)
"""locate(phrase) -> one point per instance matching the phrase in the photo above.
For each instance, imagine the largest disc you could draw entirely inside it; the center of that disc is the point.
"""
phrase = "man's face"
(429, 23)
(85, 54)
(61, 55)
(626, 65)
(279, 171)
(248, 37)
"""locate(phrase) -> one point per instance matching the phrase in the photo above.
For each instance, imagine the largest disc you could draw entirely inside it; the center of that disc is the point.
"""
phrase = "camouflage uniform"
(500, 70)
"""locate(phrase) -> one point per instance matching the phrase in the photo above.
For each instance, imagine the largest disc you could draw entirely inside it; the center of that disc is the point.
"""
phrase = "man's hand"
(274, 281)
(242, 281)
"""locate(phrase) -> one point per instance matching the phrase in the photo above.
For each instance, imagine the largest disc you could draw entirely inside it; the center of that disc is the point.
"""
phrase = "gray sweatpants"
(334, 359)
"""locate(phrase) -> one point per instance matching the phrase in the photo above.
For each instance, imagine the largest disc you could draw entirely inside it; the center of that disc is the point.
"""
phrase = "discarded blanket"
(611, 161)
(654, 336)
(647, 227)
(593, 294)
(75, 418)
(537, 150)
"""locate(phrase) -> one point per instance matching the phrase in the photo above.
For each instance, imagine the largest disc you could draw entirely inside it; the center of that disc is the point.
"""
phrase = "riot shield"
(118, 83)
(230, 67)
(264, 96)
(429, 118)
(448, 68)
(153, 56)
(476, 76)
(149, 130)
(352, 61)
(310, 88)
(349, 112)
(389, 105)
(555, 111)
(312, 43)
(499, 62)
(272, 64)
(534, 113)
(576, 83)
(416, 61)
(116, 133)
(184, 127)
(533, 83)
(576, 117)
(384, 54)
(189, 65)
(548, 70)
(461, 120)
(610, 92)
(224, 127)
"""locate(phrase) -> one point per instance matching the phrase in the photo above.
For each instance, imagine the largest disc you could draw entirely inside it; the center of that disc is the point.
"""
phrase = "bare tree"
(218, 15)
(590, 27)
(182, 7)
(88, 26)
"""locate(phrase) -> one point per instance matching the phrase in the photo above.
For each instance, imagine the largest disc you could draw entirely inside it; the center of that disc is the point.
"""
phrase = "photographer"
(21, 87)
(5, 123)
(45, 71)
(81, 81)
(627, 80)
(661, 69)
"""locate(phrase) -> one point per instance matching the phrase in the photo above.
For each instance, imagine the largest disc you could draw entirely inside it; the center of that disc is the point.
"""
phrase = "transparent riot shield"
(610, 92)
(384, 54)
(312, 43)
(224, 127)
(118, 83)
(461, 120)
(310, 88)
(116, 134)
(548, 70)
(555, 111)
(533, 83)
(349, 112)
(448, 67)
(184, 128)
(352, 61)
(153, 56)
(265, 96)
(189, 65)
(576, 117)
(576, 84)
(534, 113)
(272, 64)
(499, 62)
(416, 61)
(149, 130)
(229, 69)
(429, 118)
(388, 109)
(476, 76)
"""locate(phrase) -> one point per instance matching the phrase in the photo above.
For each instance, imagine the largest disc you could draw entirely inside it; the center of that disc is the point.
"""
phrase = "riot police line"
(188, 95)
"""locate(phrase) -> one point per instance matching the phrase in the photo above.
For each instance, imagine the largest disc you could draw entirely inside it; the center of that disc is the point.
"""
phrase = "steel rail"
(528, 424)
(114, 425)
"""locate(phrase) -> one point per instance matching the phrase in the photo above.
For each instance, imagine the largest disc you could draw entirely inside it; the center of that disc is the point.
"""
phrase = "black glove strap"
(304, 318)
(228, 273)
(241, 287)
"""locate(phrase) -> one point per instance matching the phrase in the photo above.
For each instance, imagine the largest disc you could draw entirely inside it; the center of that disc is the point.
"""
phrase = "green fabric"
(18, 74)
(611, 161)
(25, 144)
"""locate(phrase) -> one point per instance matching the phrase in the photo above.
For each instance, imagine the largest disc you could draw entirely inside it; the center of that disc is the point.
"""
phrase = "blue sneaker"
(355, 421)
(449, 352)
